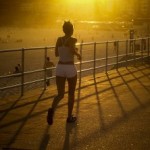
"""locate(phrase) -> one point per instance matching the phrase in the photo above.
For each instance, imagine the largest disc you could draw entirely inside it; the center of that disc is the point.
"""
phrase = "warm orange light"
(85, 1)
(79, 1)
(85, 9)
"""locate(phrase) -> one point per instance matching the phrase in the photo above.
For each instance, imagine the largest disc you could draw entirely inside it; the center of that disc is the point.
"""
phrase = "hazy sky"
(13, 11)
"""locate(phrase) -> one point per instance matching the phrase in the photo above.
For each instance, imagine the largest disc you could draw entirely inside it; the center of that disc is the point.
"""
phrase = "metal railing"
(96, 57)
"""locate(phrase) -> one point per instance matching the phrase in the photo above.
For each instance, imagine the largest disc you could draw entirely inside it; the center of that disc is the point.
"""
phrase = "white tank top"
(65, 53)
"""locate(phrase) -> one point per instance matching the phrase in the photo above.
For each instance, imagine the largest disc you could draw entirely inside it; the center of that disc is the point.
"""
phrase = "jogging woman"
(65, 70)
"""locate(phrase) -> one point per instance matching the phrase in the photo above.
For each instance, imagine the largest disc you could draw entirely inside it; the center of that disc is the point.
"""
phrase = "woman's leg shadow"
(70, 133)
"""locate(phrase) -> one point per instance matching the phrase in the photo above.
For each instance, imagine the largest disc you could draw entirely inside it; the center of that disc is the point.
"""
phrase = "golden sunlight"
(86, 9)
(79, 1)
(103, 2)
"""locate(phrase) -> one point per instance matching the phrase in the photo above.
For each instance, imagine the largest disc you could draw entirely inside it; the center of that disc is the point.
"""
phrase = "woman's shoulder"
(59, 40)
(70, 40)
(73, 40)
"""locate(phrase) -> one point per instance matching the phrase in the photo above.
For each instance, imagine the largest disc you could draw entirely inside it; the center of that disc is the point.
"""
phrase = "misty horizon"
(38, 13)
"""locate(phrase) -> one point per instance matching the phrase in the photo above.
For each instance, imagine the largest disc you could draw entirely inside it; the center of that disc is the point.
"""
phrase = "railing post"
(94, 64)
(126, 53)
(106, 57)
(148, 48)
(131, 45)
(45, 69)
(134, 53)
(117, 52)
(142, 50)
(22, 73)
(80, 76)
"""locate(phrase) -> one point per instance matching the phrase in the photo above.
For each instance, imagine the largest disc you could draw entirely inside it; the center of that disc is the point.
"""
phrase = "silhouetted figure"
(143, 44)
(65, 70)
(16, 69)
(19, 67)
(131, 40)
(115, 46)
(48, 65)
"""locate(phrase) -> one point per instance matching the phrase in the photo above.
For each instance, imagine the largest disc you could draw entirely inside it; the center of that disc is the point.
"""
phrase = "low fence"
(96, 57)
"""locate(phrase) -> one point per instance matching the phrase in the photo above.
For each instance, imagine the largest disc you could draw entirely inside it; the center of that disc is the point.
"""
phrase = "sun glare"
(86, 1)
(80, 1)
(83, 10)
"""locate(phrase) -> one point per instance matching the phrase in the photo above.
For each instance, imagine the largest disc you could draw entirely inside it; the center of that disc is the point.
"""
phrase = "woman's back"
(65, 49)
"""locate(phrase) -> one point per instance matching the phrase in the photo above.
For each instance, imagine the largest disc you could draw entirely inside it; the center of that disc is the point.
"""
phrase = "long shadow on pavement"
(125, 115)
(23, 122)
(96, 92)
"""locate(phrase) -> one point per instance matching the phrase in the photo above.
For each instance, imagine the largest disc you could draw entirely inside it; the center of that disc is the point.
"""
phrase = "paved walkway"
(113, 112)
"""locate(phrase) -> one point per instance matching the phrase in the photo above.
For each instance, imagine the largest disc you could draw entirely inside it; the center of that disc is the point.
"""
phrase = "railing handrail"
(78, 44)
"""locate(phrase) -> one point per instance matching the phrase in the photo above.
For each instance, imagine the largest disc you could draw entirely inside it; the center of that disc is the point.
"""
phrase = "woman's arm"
(75, 50)
(78, 55)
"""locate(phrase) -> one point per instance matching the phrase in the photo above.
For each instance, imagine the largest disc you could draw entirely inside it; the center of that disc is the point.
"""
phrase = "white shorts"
(67, 71)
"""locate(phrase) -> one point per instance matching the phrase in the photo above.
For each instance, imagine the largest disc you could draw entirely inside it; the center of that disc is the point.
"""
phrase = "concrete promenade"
(113, 113)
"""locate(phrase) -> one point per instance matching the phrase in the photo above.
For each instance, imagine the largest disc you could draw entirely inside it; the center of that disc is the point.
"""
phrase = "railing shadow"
(5, 112)
(101, 116)
(116, 96)
(24, 121)
(140, 82)
(95, 85)
(111, 126)
(126, 115)
(80, 98)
